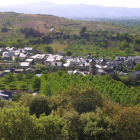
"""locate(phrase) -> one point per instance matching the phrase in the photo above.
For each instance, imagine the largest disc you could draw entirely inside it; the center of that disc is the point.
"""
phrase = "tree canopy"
(83, 29)
(137, 67)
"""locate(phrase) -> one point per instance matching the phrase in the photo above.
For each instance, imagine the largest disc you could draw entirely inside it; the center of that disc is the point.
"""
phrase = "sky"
(117, 3)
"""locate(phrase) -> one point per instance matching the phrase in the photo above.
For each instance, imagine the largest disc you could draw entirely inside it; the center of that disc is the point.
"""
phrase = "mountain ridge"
(73, 10)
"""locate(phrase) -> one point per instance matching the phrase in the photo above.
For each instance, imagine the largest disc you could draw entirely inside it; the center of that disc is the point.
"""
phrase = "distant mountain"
(73, 10)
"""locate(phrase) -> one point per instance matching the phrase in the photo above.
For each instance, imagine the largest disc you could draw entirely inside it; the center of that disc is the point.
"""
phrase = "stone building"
(102, 68)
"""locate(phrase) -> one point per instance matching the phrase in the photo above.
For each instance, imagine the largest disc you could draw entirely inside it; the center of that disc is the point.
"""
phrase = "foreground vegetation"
(72, 114)
(108, 87)
(127, 93)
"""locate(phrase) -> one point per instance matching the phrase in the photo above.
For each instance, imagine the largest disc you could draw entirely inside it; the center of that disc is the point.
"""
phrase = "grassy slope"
(37, 21)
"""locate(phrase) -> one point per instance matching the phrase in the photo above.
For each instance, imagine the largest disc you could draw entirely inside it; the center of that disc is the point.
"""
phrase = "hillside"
(100, 39)
(43, 23)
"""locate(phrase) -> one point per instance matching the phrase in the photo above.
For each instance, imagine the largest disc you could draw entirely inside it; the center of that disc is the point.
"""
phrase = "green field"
(15, 82)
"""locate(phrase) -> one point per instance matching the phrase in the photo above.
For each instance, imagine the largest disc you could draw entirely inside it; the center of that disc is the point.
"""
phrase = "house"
(7, 57)
(28, 49)
(58, 65)
(24, 65)
(53, 58)
(50, 58)
(83, 67)
(12, 49)
(17, 51)
(10, 67)
(70, 72)
(120, 58)
(135, 59)
(4, 95)
(75, 61)
(17, 71)
(23, 56)
(102, 68)
(31, 61)
(52, 30)
(88, 57)
(7, 54)
(39, 58)
(30, 70)
(1, 74)
(7, 71)
(68, 66)
(135, 75)
(2, 50)
(38, 75)
(16, 54)
(58, 58)
(130, 64)
(76, 72)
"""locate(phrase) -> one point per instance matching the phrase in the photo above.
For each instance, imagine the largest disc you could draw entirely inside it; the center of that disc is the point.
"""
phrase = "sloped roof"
(68, 64)
(31, 69)
(38, 75)
(29, 60)
(102, 59)
(24, 64)
(56, 64)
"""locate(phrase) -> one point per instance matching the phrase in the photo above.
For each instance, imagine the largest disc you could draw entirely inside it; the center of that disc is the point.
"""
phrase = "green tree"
(9, 77)
(96, 125)
(36, 82)
(14, 43)
(29, 75)
(124, 45)
(61, 40)
(4, 29)
(23, 87)
(127, 51)
(68, 41)
(137, 41)
(72, 124)
(68, 53)
(48, 49)
(82, 41)
(37, 104)
(63, 61)
(17, 59)
(83, 100)
(17, 124)
(83, 29)
(2, 86)
(12, 86)
(19, 77)
(3, 44)
(137, 67)
(51, 128)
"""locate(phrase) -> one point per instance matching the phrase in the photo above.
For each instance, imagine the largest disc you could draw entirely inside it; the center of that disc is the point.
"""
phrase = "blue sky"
(118, 3)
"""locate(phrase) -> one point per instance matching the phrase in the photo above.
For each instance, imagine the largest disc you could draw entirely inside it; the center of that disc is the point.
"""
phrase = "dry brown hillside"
(43, 23)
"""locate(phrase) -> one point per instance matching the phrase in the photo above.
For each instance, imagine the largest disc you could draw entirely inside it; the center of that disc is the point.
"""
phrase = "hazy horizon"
(109, 3)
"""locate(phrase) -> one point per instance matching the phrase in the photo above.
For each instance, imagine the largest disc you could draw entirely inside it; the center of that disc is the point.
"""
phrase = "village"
(25, 60)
